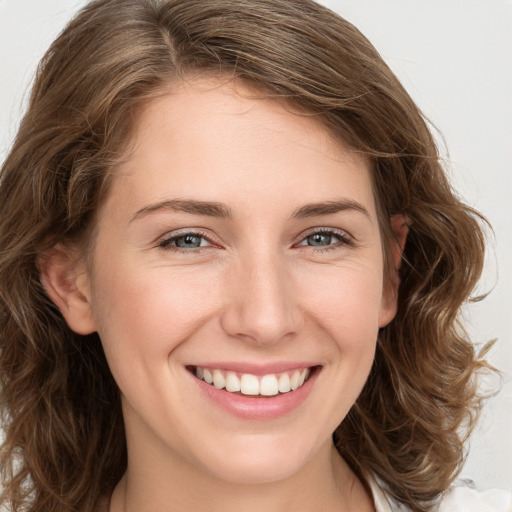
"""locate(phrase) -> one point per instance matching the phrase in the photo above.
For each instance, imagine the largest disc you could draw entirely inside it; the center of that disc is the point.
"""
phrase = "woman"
(231, 272)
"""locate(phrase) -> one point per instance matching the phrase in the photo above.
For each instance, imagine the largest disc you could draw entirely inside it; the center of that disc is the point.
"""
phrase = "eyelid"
(344, 238)
(165, 241)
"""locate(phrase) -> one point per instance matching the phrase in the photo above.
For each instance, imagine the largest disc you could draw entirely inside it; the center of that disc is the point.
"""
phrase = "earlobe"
(66, 282)
(400, 228)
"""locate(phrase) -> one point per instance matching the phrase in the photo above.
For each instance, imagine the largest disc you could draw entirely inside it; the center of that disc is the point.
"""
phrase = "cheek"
(346, 301)
(344, 304)
(149, 313)
(143, 319)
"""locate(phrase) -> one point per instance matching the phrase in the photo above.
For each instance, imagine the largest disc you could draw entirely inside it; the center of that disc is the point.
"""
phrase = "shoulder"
(462, 496)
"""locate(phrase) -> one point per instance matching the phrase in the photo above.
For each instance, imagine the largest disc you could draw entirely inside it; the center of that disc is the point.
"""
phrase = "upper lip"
(255, 368)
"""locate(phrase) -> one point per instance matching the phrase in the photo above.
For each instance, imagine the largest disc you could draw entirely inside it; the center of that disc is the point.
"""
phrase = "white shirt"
(460, 497)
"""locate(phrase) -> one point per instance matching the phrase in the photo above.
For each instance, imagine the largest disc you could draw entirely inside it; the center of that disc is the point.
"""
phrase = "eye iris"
(188, 241)
(319, 239)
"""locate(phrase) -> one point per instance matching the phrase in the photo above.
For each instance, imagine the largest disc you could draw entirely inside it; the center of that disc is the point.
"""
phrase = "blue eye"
(188, 241)
(185, 241)
(319, 239)
(326, 239)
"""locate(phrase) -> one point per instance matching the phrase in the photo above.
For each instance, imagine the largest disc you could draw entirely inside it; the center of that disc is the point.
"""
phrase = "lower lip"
(257, 407)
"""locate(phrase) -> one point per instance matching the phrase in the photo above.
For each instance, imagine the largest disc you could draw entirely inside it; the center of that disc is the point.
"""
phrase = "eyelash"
(343, 239)
(166, 243)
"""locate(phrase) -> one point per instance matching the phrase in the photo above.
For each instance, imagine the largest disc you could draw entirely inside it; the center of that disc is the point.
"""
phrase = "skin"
(254, 291)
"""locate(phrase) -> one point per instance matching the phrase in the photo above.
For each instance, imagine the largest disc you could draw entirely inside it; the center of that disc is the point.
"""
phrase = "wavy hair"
(64, 443)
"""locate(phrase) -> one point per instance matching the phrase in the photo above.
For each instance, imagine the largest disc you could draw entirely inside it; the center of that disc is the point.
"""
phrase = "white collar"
(380, 500)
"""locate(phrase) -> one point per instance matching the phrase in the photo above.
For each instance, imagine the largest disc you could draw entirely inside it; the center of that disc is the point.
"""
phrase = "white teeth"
(295, 380)
(269, 386)
(207, 376)
(248, 384)
(218, 379)
(284, 383)
(232, 382)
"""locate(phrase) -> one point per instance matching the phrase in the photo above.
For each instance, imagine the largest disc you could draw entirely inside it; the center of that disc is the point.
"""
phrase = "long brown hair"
(64, 442)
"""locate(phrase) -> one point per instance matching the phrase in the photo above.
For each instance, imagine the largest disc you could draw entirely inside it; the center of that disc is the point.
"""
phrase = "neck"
(324, 484)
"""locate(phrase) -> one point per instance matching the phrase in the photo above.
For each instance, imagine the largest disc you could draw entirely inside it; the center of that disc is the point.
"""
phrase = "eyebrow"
(209, 208)
(220, 210)
(329, 208)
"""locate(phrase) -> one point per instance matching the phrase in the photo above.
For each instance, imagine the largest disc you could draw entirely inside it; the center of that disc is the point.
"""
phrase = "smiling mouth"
(248, 384)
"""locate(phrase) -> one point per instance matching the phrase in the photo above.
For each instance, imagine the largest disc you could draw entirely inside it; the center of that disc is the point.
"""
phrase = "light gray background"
(455, 58)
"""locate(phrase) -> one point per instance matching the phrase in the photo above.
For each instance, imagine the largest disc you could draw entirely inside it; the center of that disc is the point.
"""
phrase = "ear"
(400, 228)
(66, 282)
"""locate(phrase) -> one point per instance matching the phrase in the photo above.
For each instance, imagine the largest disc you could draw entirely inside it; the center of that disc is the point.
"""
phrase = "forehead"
(216, 137)
(208, 106)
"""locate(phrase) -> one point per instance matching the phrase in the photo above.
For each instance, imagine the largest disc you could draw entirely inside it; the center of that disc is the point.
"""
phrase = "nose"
(262, 306)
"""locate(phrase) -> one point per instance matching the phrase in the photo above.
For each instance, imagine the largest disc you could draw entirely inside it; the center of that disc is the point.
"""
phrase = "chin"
(257, 461)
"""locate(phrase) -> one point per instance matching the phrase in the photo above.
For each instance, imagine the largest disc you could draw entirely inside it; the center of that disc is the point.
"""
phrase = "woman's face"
(238, 241)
